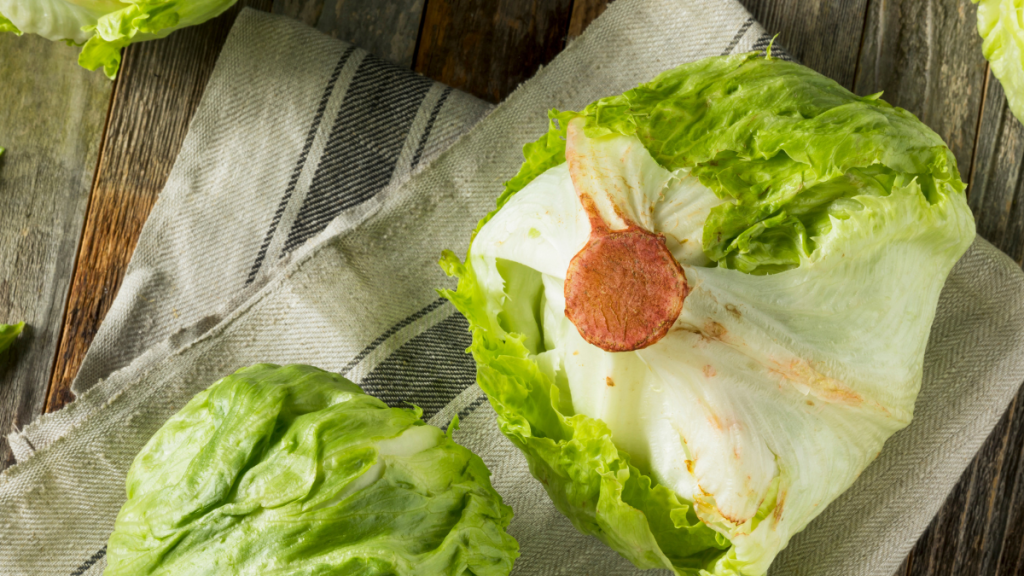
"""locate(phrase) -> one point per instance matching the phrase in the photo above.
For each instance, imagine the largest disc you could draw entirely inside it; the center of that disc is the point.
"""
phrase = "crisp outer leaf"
(287, 470)
(1002, 32)
(8, 26)
(588, 478)
(104, 27)
(816, 228)
(9, 333)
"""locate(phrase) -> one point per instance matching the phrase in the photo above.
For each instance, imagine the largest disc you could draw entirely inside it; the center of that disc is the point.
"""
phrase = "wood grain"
(583, 13)
(979, 529)
(825, 36)
(995, 186)
(156, 94)
(52, 126)
(926, 57)
(386, 28)
(488, 47)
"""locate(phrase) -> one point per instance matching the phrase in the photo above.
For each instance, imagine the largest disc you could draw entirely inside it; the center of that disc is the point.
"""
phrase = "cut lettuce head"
(104, 27)
(293, 470)
(814, 230)
(1001, 25)
(9, 333)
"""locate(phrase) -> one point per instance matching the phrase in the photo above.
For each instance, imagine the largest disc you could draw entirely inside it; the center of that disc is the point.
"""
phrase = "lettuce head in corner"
(701, 307)
(293, 470)
(1001, 26)
(103, 27)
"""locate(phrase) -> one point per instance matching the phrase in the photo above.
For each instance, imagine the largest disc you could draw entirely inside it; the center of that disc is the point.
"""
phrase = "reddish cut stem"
(624, 289)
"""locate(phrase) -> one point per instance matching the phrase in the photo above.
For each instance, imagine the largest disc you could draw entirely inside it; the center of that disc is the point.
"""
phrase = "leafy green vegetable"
(815, 229)
(293, 470)
(1002, 30)
(104, 27)
(9, 333)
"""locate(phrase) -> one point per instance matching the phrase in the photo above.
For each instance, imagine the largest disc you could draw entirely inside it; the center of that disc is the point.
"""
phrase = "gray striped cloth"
(302, 223)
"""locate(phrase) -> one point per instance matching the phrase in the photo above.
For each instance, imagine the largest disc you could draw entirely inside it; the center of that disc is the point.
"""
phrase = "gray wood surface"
(823, 35)
(51, 124)
(926, 57)
(386, 28)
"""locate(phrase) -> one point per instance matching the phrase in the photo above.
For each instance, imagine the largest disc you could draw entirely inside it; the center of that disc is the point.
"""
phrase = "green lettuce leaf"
(293, 470)
(9, 333)
(786, 170)
(1002, 31)
(589, 480)
(104, 27)
(8, 26)
(815, 229)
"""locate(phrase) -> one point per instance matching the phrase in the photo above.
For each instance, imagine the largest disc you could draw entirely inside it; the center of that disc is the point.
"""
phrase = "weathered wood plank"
(386, 28)
(1004, 555)
(926, 57)
(583, 13)
(994, 191)
(824, 36)
(488, 47)
(52, 126)
(158, 89)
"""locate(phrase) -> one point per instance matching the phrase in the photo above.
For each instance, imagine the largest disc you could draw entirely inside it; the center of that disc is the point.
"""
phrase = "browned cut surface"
(624, 290)
(488, 47)
(156, 93)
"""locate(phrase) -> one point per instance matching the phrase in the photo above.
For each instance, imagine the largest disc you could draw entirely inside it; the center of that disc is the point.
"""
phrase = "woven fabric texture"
(302, 223)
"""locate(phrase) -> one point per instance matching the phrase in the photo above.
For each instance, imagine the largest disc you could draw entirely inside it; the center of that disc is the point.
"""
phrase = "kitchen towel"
(302, 222)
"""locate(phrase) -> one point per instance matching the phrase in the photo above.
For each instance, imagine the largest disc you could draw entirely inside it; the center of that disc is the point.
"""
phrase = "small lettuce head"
(293, 470)
(104, 27)
(815, 229)
(1001, 25)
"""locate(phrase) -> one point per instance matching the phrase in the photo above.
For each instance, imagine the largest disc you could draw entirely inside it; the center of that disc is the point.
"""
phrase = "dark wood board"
(52, 126)
(926, 57)
(488, 47)
(825, 36)
(386, 28)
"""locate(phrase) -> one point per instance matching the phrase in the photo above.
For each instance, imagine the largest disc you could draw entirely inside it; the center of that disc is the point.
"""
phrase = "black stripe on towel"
(389, 333)
(777, 51)
(429, 371)
(739, 35)
(364, 144)
(430, 126)
(294, 179)
(89, 563)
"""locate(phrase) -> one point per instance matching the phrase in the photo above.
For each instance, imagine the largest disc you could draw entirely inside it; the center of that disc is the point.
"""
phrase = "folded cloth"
(302, 224)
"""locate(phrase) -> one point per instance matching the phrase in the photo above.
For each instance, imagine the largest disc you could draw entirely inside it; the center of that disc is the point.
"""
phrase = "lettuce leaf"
(9, 333)
(1002, 33)
(104, 27)
(815, 229)
(277, 470)
(588, 478)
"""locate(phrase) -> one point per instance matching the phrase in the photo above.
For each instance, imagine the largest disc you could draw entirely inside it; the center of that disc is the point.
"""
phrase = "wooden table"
(88, 157)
